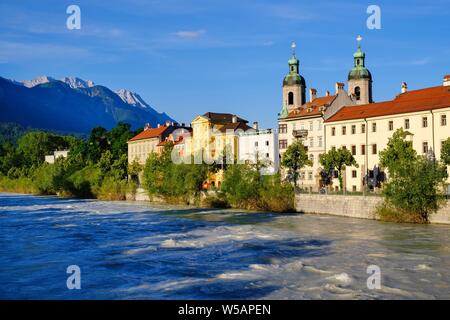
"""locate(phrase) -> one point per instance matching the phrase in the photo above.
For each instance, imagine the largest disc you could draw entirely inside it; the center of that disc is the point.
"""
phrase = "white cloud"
(190, 34)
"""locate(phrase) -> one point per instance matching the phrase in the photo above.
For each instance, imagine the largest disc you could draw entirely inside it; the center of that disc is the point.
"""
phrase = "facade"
(56, 154)
(260, 146)
(214, 135)
(365, 129)
(146, 142)
(305, 121)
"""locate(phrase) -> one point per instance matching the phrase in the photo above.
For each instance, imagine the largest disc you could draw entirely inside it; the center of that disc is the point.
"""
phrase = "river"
(128, 250)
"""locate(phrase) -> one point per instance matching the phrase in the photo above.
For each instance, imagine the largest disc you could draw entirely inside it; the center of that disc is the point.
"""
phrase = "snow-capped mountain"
(38, 80)
(73, 105)
(76, 83)
(132, 98)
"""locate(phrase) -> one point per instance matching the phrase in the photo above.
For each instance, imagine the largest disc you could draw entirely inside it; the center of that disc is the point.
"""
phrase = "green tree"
(337, 159)
(445, 152)
(415, 187)
(294, 159)
(398, 153)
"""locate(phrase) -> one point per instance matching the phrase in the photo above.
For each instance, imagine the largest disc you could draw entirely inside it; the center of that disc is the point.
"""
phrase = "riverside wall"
(353, 206)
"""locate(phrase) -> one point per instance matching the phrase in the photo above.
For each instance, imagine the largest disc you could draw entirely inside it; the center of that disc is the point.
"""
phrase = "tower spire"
(293, 46)
(359, 39)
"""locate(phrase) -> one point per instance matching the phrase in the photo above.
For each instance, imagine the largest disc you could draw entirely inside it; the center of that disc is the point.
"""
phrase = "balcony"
(301, 134)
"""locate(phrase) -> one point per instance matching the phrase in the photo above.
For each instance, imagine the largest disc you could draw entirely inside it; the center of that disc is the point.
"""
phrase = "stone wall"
(353, 206)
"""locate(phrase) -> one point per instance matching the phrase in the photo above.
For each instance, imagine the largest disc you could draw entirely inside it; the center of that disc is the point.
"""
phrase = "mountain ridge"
(73, 105)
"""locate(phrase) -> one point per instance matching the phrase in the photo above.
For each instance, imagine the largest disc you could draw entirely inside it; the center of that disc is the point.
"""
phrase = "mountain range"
(72, 105)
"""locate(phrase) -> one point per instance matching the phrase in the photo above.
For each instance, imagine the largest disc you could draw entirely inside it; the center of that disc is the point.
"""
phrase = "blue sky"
(187, 57)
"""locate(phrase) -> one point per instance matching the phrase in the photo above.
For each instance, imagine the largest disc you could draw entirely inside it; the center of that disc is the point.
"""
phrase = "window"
(358, 93)
(354, 188)
(311, 142)
(310, 175)
(311, 158)
(319, 141)
(353, 129)
(354, 174)
(363, 128)
(333, 148)
(267, 143)
(406, 123)
(267, 155)
(391, 125)
(290, 98)
(374, 127)
(256, 143)
(443, 120)
(425, 147)
(353, 150)
(344, 130)
(374, 148)
(302, 175)
(283, 144)
(333, 131)
(282, 128)
(363, 149)
(344, 147)
(425, 122)
(311, 126)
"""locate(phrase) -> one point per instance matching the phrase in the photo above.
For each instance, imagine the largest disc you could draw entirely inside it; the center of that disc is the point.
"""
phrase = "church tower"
(293, 84)
(360, 78)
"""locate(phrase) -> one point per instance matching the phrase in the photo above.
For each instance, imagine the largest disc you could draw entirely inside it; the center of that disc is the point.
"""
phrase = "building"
(56, 154)
(365, 129)
(215, 135)
(304, 120)
(146, 142)
(260, 146)
(360, 78)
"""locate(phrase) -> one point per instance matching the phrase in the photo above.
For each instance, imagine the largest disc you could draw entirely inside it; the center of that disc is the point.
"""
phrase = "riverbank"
(362, 207)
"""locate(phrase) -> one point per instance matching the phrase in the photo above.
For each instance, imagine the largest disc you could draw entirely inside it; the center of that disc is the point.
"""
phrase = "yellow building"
(365, 129)
(212, 133)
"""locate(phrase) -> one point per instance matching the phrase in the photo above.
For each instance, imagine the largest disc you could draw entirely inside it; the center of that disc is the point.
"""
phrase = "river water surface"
(146, 251)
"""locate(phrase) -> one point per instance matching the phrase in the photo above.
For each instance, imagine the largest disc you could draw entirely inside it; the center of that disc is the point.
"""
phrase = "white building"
(56, 154)
(260, 145)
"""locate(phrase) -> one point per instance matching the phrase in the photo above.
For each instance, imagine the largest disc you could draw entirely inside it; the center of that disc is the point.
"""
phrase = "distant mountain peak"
(132, 98)
(36, 81)
(76, 83)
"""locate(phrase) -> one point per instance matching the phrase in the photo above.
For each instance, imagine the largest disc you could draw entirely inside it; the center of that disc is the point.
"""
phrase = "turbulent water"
(142, 251)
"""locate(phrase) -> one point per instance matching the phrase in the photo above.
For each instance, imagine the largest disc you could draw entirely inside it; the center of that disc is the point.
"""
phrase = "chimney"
(159, 125)
(147, 126)
(167, 123)
(404, 87)
(172, 123)
(446, 82)
(327, 93)
(234, 118)
(339, 87)
(312, 94)
(255, 125)
(183, 124)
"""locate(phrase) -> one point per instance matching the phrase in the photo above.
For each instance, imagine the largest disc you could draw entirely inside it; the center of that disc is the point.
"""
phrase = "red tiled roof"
(411, 101)
(178, 141)
(150, 133)
(312, 108)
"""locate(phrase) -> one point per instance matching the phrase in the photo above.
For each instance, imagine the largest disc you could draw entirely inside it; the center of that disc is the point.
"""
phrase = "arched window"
(290, 98)
(357, 62)
(358, 93)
